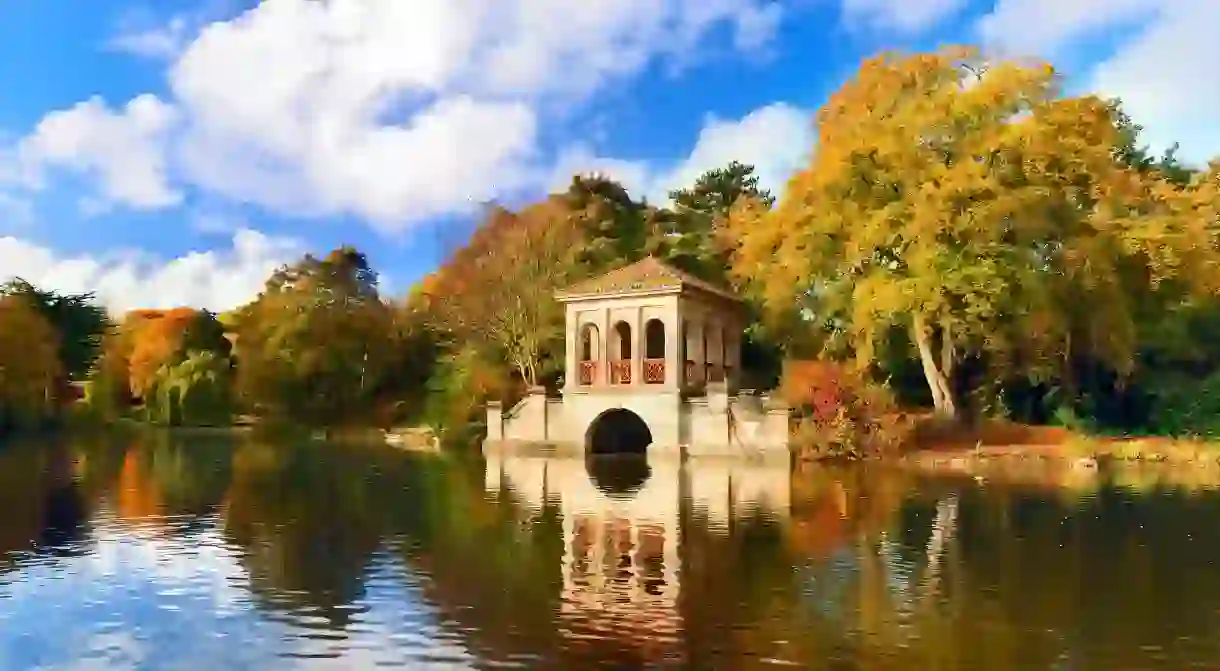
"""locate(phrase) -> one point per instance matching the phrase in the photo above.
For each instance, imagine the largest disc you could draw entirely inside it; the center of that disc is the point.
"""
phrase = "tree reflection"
(308, 522)
(44, 509)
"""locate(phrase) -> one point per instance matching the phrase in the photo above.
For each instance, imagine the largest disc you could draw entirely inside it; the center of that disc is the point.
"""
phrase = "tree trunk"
(936, 374)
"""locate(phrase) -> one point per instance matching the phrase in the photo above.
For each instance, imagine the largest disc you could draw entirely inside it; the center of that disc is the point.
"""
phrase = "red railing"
(588, 370)
(654, 371)
(620, 372)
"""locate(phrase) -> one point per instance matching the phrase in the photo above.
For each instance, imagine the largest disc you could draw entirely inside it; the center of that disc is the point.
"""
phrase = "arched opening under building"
(617, 431)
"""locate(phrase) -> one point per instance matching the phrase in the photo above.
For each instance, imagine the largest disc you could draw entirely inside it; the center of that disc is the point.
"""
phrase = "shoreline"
(1078, 464)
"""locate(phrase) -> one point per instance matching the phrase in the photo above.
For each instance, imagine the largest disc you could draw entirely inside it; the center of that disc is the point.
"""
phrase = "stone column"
(572, 347)
(637, 348)
(732, 354)
(673, 348)
(715, 344)
(604, 354)
(698, 352)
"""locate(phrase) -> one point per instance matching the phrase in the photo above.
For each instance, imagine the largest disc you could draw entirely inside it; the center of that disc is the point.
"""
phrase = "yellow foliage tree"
(29, 364)
(965, 201)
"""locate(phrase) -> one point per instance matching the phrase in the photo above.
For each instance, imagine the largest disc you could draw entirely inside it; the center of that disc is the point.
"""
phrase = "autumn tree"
(501, 287)
(79, 322)
(30, 366)
(313, 343)
(157, 340)
(966, 202)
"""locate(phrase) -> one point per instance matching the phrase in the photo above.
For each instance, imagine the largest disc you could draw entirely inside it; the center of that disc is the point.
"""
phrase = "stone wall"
(712, 425)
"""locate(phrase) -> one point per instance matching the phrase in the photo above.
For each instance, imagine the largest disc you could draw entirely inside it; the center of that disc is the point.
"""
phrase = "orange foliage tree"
(157, 337)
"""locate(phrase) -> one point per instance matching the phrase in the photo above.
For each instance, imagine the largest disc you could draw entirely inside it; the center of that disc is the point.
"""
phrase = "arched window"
(654, 339)
(654, 352)
(620, 368)
(590, 352)
(589, 342)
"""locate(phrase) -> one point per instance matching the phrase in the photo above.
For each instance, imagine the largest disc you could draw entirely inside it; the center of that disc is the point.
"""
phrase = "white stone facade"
(669, 352)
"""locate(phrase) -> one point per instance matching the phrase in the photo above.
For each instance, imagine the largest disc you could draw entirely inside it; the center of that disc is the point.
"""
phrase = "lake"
(218, 553)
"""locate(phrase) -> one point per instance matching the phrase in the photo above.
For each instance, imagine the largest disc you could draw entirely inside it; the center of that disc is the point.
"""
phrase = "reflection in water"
(618, 476)
(214, 553)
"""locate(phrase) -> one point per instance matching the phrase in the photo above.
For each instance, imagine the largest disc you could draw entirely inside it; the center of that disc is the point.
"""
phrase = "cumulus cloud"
(125, 150)
(1163, 69)
(908, 17)
(217, 279)
(164, 40)
(775, 139)
(388, 110)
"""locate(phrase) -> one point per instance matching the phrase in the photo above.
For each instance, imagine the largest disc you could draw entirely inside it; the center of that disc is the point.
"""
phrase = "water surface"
(209, 553)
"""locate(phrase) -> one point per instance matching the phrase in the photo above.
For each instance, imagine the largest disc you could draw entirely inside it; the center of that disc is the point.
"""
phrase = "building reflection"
(621, 568)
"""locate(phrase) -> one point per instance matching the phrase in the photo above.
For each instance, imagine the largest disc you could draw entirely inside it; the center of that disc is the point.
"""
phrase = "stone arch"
(617, 431)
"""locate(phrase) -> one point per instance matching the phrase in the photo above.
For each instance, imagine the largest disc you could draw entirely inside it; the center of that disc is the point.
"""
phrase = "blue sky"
(174, 152)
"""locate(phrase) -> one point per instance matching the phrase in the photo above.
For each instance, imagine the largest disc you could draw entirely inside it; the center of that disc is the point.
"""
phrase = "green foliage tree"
(313, 344)
(30, 367)
(688, 228)
(77, 319)
(197, 391)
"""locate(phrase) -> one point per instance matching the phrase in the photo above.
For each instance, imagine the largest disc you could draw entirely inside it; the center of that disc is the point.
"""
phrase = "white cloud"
(1045, 27)
(908, 17)
(389, 110)
(1163, 71)
(124, 150)
(217, 280)
(164, 40)
(775, 139)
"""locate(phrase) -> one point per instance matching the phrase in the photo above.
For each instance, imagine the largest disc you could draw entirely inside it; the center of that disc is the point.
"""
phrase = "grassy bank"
(1005, 444)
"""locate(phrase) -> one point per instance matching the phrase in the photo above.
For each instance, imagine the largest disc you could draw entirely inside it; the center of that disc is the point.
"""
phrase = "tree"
(197, 391)
(616, 228)
(158, 339)
(312, 345)
(688, 230)
(30, 367)
(964, 201)
(501, 287)
(79, 322)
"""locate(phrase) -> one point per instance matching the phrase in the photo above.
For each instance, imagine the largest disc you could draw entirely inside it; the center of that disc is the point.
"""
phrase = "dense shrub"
(1183, 406)
(841, 414)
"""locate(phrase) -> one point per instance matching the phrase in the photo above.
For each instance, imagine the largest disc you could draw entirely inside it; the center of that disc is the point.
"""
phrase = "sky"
(169, 152)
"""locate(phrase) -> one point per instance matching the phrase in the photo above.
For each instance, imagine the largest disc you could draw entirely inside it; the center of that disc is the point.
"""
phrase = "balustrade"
(588, 372)
(654, 371)
(620, 372)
